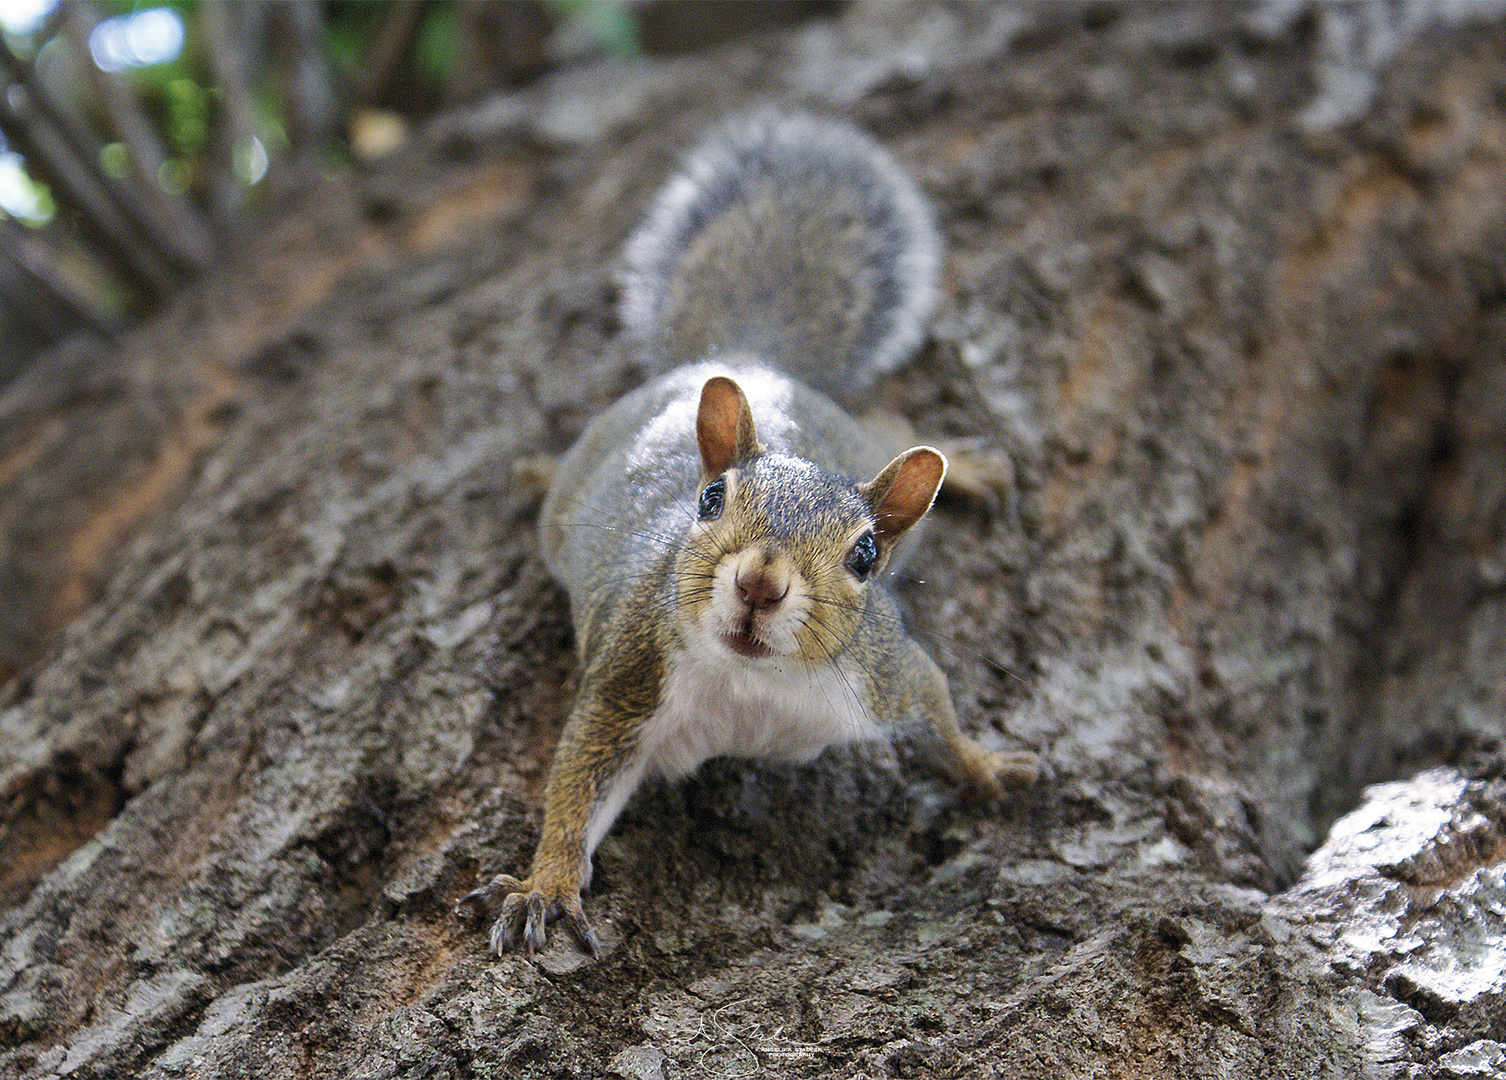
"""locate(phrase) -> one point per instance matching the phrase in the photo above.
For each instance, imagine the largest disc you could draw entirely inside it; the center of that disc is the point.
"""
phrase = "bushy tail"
(791, 239)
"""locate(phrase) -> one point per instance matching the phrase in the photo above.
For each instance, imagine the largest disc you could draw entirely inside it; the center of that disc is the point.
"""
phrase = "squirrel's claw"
(480, 901)
(533, 928)
(523, 910)
(575, 913)
(505, 929)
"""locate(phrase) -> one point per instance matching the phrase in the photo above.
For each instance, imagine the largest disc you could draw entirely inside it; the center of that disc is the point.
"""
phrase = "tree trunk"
(285, 669)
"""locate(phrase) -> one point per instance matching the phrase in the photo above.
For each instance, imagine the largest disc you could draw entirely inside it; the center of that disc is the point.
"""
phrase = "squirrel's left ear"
(724, 426)
(902, 493)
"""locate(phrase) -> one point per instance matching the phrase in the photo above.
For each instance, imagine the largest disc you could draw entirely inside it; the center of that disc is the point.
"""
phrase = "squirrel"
(725, 573)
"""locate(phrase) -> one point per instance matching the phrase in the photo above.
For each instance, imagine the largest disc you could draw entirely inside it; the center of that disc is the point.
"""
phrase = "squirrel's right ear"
(904, 491)
(724, 426)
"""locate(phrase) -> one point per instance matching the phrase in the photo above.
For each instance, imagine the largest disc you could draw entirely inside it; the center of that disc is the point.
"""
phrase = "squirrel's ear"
(724, 426)
(904, 491)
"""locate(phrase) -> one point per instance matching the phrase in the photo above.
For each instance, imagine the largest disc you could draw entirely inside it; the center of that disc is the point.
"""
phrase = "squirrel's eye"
(713, 495)
(863, 555)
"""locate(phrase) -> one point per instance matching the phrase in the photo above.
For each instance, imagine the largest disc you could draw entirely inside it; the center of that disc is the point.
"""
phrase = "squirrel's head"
(782, 554)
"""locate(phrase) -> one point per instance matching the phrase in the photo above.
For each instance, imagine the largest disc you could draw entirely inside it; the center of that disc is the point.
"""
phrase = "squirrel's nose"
(758, 590)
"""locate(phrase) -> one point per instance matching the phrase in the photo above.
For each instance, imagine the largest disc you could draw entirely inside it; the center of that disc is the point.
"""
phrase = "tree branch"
(30, 283)
(58, 148)
(182, 228)
(227, 43)
(386, 52)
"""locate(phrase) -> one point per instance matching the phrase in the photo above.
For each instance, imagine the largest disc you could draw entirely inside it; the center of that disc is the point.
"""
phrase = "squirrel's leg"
(968, 762)
(594, 772)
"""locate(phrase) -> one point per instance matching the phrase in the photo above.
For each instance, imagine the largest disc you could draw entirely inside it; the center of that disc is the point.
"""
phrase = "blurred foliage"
(135, 179)
(613, 25)
(435, 46)
(184, 101)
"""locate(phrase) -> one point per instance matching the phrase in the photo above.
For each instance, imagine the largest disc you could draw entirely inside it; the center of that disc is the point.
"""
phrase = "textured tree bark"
(285, 670)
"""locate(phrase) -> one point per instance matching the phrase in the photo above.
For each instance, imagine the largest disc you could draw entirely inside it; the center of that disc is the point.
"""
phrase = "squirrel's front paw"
(526, 906)
(988, 774)
(1014, 770)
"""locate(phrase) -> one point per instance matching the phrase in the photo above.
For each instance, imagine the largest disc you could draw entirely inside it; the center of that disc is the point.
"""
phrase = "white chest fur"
(717, 704)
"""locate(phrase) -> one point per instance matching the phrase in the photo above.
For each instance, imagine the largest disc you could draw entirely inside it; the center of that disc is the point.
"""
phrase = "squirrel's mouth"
(745, 644)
